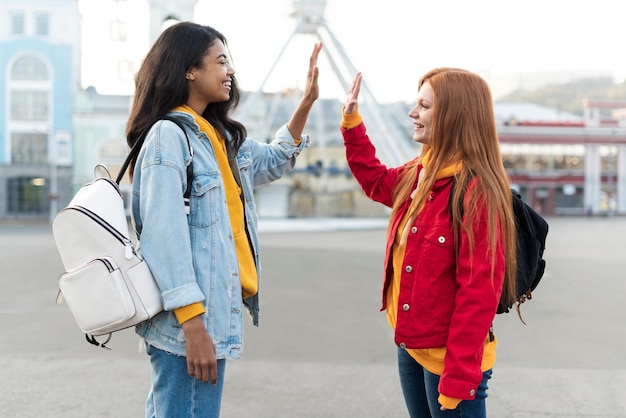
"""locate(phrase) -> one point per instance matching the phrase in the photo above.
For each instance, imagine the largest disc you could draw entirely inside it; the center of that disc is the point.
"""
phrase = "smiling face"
(211, 81)
(422, 114)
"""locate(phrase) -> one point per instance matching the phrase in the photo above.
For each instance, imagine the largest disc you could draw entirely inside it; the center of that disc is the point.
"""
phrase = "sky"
(392, 42)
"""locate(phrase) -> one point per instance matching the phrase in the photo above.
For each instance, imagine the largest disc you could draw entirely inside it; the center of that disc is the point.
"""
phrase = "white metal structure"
(390, 142)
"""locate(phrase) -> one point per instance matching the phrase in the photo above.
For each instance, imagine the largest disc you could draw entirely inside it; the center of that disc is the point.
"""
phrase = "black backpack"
(532, 230)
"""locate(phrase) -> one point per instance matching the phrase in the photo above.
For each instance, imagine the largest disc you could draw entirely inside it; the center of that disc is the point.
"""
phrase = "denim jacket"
(192, 257)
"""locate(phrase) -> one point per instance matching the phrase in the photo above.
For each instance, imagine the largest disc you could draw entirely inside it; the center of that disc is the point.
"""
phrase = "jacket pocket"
(206, 200)
(440, 257)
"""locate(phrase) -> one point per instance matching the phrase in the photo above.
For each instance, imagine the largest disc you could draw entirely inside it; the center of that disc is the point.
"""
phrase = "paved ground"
(323, 349)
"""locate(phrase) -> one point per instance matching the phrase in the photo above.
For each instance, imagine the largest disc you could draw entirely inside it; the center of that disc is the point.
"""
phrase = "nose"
(413, 113)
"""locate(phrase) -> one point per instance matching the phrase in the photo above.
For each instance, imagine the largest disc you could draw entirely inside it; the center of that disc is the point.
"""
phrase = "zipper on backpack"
(128, 249)
(128, 246)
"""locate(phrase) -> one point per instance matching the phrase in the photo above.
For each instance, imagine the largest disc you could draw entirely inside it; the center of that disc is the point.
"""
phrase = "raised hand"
(311, 89)
(309, 96)
(352, 104)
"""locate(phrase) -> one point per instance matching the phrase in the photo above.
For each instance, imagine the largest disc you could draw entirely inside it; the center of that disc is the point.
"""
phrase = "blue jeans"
(420, 390)
(174, 393)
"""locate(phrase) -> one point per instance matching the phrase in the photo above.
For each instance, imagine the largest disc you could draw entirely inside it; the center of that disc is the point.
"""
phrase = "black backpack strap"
(134, 151)
(92, 340)
(137, 147)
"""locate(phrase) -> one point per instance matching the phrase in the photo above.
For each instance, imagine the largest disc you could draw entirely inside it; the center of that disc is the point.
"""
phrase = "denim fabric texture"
(193, 257)
(420, 390)
(175, 393)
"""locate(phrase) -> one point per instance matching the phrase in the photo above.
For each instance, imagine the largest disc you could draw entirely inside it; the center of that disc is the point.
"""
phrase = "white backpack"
(107, 284)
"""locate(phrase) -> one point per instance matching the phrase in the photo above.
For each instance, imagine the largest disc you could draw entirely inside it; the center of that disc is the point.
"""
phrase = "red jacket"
(443, 301)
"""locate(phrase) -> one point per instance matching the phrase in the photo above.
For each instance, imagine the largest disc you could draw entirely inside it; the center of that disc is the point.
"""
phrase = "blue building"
(53, 132)
(40, 63)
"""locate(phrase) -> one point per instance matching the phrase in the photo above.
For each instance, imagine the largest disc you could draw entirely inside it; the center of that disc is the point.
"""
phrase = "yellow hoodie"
(247, 267)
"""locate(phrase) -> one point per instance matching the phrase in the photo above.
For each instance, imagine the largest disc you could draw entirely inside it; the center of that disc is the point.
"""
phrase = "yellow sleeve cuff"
(352, 120)
(448, 402)
(185, 313)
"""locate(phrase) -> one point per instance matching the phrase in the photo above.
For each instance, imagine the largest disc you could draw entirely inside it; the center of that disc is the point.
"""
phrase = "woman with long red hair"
(450, 250)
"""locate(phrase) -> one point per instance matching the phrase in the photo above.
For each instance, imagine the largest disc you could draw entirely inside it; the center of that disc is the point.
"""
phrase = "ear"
(190, 75)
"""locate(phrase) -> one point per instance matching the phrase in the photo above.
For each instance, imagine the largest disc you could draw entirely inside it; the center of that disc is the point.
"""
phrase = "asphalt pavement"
(323, 349)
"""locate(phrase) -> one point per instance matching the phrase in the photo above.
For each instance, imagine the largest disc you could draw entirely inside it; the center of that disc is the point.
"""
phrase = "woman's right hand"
(199, 351)
(352, 104)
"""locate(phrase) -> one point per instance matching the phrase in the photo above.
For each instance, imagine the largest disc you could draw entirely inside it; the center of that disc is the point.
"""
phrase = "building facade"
(567, 164)
(53, 132)
(567, 170)
(40, 62)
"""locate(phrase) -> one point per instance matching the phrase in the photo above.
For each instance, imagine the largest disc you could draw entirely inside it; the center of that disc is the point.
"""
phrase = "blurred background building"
(53, 132)
(40, 67)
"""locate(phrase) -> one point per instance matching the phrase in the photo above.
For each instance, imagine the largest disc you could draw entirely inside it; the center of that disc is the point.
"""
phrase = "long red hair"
(463, 127)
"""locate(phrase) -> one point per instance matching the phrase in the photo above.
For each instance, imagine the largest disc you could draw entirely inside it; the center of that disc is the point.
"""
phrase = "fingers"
(213, 374)
(313, 70)
(353, 94)
(355, 88)
(204, 370)
(314, 74)
(316, 52)
(311, 89)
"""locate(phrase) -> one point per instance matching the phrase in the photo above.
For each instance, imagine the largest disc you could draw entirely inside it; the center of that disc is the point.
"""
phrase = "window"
(608, 158)
(29, 68)
(42, 24)
(29, 93)
(543, 157)
(29, 105)
(63, 144)
(568, 198)
(29, 148)
(18, 23)
(27, 195)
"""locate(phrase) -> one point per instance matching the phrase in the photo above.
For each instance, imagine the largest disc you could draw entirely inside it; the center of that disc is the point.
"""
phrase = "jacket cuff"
(283, 135)
(459, 389)
(182, 296)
